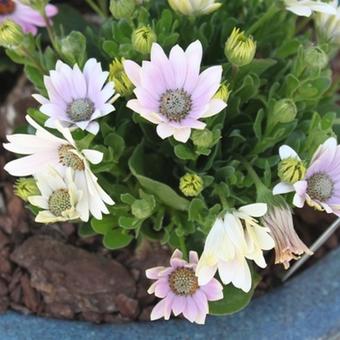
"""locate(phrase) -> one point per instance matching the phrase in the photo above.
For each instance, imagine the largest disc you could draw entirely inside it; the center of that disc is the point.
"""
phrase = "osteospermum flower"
(180, 290)
(172, 93)
(288, 245)
(59, 197)
(230, 242)
(76, 98)
(194, 7)
(321, 186)
(44, 149)
(28, 18)
(307, 7)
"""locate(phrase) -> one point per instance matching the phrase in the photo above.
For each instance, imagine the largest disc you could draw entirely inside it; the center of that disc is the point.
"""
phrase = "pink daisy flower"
(76, 98)
(180, 291)
(321, 186)
(28, 18)
(172, 93)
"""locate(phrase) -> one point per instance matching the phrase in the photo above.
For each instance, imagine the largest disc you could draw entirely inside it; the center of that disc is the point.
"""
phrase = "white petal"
(164, 130)
(94, 156)
(255, 210)
(182, 135)
(286, 151)
(282, 188)
(215, 106)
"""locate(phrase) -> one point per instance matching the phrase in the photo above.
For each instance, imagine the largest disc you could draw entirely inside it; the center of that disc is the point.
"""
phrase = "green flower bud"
(122, 82)
(202, 138)
(143, 38)
(223, 93)
(191, 185)
(11, 34)
(240, 49)
(316, 58)
(141, 209)
(291, 170)
(122, 9)
(284, 111)
(26, 187)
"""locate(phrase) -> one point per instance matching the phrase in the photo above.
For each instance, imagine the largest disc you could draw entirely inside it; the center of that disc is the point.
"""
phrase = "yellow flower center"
(59, 201)
(68, 158)
(183, 281)
(175, 104)
(320, 186)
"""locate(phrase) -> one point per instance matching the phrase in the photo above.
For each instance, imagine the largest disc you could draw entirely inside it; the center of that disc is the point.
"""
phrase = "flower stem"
(252, 173)
(271, 11)
(183, 247)
(96, 8)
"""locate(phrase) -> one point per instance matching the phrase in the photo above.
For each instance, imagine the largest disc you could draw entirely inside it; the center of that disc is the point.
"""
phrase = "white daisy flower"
(44, 149)
(59, 199)
(307, 7)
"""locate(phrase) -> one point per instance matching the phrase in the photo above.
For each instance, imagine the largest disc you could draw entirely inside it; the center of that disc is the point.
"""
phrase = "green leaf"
(103, 225)
(165, 194)
(183, 151)
(234, 299)
(116, 239)
(85, 230)
(73, 48)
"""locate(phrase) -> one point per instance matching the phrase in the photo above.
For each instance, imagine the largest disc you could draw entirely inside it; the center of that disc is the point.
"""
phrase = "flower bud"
(284, 111)
(11, 34)
(122, 9)
(202, 138)
(291, 170)
(240, 49)
(122, 82)
(223, 93)
(143, 38)
(191, 185)
(26, 187)
(316, 58)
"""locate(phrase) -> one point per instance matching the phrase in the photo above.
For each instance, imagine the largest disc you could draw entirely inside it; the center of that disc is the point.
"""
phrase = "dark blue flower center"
(80, 109)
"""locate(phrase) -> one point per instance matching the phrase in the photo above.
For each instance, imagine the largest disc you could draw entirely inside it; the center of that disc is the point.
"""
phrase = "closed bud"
(284, 111)
(316, 58)
(11, 34)
(122, 9)
(291, 170)
(240, 49)
(26, 187)
(202, 138)
(191, 185)
(223, 93)
(122, 82)
(143, 38)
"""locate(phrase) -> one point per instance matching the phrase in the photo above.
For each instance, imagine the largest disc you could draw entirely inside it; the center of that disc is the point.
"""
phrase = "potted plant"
(183, 127)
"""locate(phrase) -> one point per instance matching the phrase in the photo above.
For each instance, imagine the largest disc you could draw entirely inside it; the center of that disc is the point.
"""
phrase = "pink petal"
(190, 311)
(158, 311)
(178, 61)
(194, 54)
(178, 305)
(193, 257)
(162, 288)
(152, 273)
(213, 290)
(133, 70)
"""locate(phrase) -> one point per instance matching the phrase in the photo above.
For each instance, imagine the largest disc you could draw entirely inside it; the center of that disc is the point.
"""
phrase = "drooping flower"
(320, 188)
(28, 18)
(44, 149)
(291, 170)
(230, 242)
(194, 7)
(307, 7)
(329, 24)
(288, 245)
(59, 197)
(172, 93)
(76, 98)
(180, 291)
